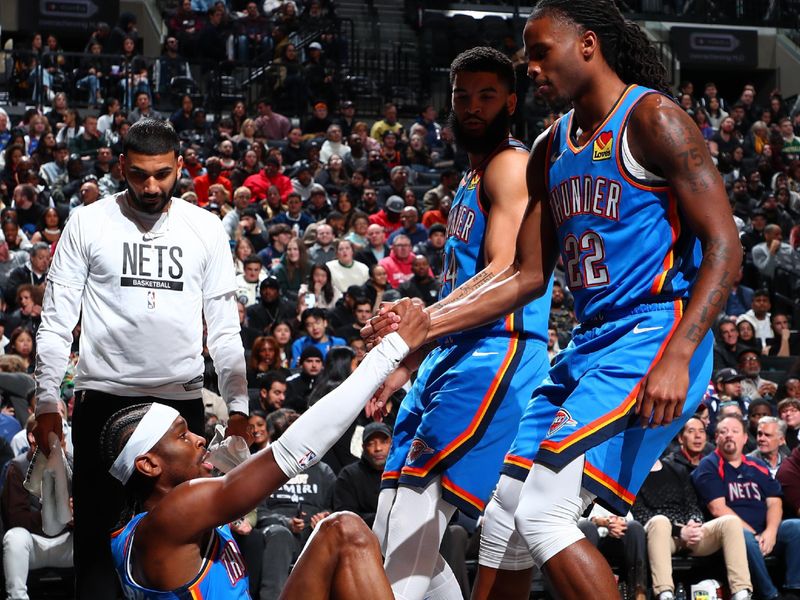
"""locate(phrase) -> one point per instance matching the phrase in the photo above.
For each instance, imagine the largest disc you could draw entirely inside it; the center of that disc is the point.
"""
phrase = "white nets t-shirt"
(143, 294)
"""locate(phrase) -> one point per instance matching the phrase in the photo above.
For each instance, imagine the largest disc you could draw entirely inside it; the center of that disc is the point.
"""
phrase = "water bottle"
(680, 592)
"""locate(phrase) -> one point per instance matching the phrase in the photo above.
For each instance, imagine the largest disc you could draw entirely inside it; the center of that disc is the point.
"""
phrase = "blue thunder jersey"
(464, 256)
(623, 239)
(221, 576)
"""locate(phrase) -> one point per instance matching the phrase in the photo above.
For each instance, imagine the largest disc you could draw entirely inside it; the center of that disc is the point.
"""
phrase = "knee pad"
(549, 508)
(502, 547)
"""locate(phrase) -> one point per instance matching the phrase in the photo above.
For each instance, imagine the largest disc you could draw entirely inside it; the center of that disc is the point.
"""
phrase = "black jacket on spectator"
(724, 357)
(340, 315)
(669, 492)
(435, 256)
(427, 290)
(263, 316)
(357, 489)
(368, 258)
(298, 388)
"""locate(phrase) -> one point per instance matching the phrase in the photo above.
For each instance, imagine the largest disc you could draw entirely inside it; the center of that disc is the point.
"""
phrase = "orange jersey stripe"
(463, 494)
(669, 259)
(476, 420)
(390, 475)
(608, 483)
(621, 410)
(512, 459)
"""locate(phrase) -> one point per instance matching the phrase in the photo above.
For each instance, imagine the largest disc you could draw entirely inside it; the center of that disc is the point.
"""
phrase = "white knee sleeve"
(502, 547)
(549, 508)
(417, 522)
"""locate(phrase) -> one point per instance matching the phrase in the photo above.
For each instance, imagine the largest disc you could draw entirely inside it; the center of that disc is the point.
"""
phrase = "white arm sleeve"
(225, 347)
(53, 342)
(313, 434)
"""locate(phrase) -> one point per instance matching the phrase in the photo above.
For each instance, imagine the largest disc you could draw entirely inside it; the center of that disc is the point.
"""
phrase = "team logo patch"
(561, 420)
(418, 448)
(473, 183)
(602, 146)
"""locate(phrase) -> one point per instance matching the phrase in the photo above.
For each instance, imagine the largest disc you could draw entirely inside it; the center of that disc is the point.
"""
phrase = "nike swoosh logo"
(638, 329)
(476, 353)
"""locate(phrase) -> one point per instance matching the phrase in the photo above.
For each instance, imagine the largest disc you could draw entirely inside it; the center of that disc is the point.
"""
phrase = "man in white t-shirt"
(141, 269)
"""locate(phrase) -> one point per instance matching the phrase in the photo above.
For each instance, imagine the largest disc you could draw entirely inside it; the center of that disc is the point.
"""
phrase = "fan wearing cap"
(389, 216)
(176, 543)
(728, 386)
(271, 307)
(319, 121)
(359, 483)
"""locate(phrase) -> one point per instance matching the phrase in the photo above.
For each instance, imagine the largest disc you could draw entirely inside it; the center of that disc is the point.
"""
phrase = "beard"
(495, 132)
(151, 203)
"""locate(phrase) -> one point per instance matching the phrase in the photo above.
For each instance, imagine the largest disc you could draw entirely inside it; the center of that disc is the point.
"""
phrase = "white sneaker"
(742, 595)
(666, 596)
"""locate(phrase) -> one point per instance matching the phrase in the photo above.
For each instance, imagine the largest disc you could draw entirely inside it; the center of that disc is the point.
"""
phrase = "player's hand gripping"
(662, 393)
(238, 425)
(376, 407)
(388, 320)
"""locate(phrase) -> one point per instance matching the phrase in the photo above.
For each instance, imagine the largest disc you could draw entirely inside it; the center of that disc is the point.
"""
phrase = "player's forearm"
(490, 296)
(53, 342)
(722, 257)
(225, 348)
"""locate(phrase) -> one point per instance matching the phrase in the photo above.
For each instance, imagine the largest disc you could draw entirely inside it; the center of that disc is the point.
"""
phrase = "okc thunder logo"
(561, 420)
(418, 448)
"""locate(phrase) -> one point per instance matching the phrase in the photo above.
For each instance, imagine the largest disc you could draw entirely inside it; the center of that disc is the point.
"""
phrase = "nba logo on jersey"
(562, 419)
(602, 146)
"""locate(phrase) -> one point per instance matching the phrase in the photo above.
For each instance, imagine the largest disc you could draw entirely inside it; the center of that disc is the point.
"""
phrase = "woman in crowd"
(119, 127)
(417, 155)
(238, 117)
(181, 119)
(245, 138)
(293, 269)
(23, 345)
(55, 116)
(747, 334)
(265, 355)
(241, 251)
(261, 152)
(272, 205)
(48, 229)
(703, 123)
(107, 114)
(390, 150)
(28, 313)
(257, 425)
(44, 152)
(71, 127)
(36, 129)
(357, 234)
(319, 284)
(282, 332)
(247, 166)
(344, 204)
(715, 113)
(377, 286)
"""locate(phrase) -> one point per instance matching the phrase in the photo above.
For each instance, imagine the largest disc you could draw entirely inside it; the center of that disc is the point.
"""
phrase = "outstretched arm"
(502, 286)
(666, 141)
(206, 503)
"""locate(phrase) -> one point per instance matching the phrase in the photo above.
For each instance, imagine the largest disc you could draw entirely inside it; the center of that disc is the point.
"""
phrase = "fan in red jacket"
(269, 176)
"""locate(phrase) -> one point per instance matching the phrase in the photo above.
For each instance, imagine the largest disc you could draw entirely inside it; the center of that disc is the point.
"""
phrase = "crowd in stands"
(329, 214)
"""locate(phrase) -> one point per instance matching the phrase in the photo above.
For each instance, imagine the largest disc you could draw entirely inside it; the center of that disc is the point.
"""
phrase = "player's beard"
(495, 132)
(138, 202)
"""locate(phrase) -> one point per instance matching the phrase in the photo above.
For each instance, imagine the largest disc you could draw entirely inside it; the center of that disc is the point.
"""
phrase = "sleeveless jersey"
(222, 574)
(623, 239)
(464, 256)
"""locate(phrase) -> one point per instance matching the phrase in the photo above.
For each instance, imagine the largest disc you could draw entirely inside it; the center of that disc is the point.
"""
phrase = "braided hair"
(624, 45)
(115, 434)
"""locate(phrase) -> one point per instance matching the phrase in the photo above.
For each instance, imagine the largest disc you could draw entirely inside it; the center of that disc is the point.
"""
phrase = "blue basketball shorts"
(461, 415)
(586, 404)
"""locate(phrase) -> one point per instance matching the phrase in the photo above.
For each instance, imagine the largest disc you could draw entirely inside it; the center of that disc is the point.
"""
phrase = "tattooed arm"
(666, 141)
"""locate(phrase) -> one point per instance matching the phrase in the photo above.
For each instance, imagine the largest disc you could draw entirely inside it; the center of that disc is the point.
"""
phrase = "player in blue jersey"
(625, 190)
(176, 543)
(458, 420)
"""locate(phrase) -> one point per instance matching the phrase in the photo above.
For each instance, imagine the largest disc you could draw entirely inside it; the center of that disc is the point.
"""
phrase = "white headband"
(155, 423)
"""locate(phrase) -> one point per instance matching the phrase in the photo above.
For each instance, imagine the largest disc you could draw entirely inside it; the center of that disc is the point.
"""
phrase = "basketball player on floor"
(624, 188)
(140, 269)
(458, 420)
(174, 541)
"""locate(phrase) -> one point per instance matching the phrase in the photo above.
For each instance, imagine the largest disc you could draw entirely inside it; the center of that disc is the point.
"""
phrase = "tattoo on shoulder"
(682, 139)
